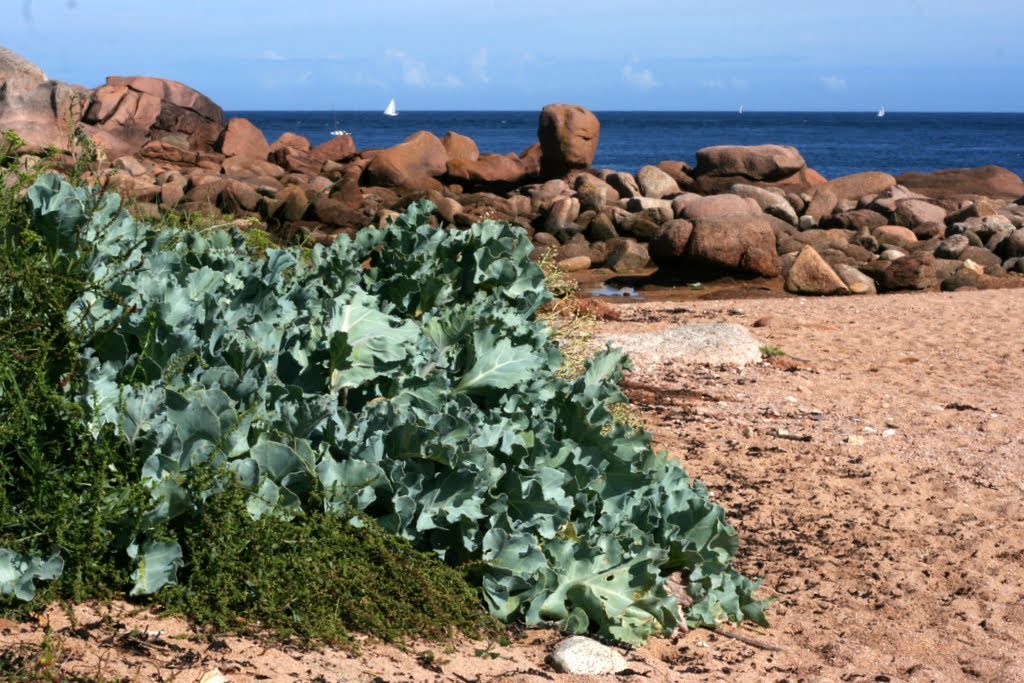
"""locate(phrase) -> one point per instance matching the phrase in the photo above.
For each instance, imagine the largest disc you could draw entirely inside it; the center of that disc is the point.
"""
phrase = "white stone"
(692, 344)
(583, 656)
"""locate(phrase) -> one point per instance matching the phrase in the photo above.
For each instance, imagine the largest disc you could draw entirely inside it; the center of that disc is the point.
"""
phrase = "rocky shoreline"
(740, 211)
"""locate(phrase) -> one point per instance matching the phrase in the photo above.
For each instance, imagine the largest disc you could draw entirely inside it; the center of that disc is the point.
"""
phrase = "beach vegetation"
(199, 406)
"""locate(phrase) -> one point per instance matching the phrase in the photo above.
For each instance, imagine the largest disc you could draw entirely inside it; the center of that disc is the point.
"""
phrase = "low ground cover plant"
(401, 380)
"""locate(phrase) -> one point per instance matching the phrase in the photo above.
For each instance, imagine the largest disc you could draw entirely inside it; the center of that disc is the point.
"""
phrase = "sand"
(874, 472)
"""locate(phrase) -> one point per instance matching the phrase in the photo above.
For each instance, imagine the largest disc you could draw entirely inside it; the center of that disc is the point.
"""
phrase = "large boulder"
(414, 164)
(494, 172)
(338, 148)
(129, 111)
(803, 181)
(460, 146)
(754, 162)
(827, 196)
(719, 205)
(737, 243)
(987, 181)
(39, 110)
(568, 136)
(240, 138)
(18, 73)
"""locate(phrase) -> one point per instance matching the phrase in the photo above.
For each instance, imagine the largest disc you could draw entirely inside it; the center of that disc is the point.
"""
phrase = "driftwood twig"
(753, 642)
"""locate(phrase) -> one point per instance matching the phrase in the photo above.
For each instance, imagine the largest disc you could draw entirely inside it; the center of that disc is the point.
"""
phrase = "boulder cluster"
(748, 211)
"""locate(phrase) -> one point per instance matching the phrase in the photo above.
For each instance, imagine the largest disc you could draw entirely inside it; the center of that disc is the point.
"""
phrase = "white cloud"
(415, 73)
(359, 78)
(272, 56)
(834, 83)
(734, 83)
(478, 63)
(639, 78)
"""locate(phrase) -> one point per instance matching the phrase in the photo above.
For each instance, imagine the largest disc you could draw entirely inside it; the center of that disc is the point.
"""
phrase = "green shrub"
(314, 576)
(421, 391)
(64, 494)
(71, 501)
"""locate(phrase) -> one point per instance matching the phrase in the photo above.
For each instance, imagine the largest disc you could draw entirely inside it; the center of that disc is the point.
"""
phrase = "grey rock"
(655, 183)
(985, 227)
(585, 657)
(624, 183)
(663, 206)
(601, 228)
(593, 192)
(626, 255)
(952, 246)
(856, 281)
(692, 344)
(1013, 245)
(562, 213)
(770, 202)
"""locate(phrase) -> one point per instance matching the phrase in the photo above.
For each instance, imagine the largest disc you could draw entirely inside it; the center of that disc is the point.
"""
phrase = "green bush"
(421, 391)
(64, 493)
(314, 576)
(71, 501)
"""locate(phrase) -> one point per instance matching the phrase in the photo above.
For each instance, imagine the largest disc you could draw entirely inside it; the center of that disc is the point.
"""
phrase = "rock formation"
(748, 211)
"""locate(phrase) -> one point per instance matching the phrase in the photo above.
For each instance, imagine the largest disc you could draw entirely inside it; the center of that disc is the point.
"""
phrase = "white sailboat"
(881, 112)
(390, 110)
(338, 131)
(741, 109)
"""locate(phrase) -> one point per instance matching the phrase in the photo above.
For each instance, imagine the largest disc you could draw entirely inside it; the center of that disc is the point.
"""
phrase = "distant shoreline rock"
(747, 211)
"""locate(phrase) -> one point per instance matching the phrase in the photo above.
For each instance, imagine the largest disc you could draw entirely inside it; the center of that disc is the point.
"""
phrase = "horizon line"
(746, 112)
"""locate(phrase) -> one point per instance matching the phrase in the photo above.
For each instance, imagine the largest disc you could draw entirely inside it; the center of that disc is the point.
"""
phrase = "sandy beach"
(874, 473)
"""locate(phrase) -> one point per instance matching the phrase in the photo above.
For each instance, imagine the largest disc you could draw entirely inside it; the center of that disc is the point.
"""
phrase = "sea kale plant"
(401, 375)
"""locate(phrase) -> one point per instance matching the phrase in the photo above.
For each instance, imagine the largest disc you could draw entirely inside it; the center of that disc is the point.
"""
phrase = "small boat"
(338, 131)
(390, 109)
(740, 110)
(881, 112)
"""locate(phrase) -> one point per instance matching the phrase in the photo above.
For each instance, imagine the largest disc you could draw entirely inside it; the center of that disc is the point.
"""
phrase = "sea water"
(834, 144)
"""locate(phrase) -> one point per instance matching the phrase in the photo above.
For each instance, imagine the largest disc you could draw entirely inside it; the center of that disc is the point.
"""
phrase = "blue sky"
(787, 55)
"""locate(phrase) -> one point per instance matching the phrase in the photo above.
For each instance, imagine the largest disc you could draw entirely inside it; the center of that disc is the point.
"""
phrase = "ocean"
(834, 144)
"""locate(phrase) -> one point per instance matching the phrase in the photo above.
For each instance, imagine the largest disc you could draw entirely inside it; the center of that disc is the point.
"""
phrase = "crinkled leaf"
(18, 572)
(497, 364)
(156, 566)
